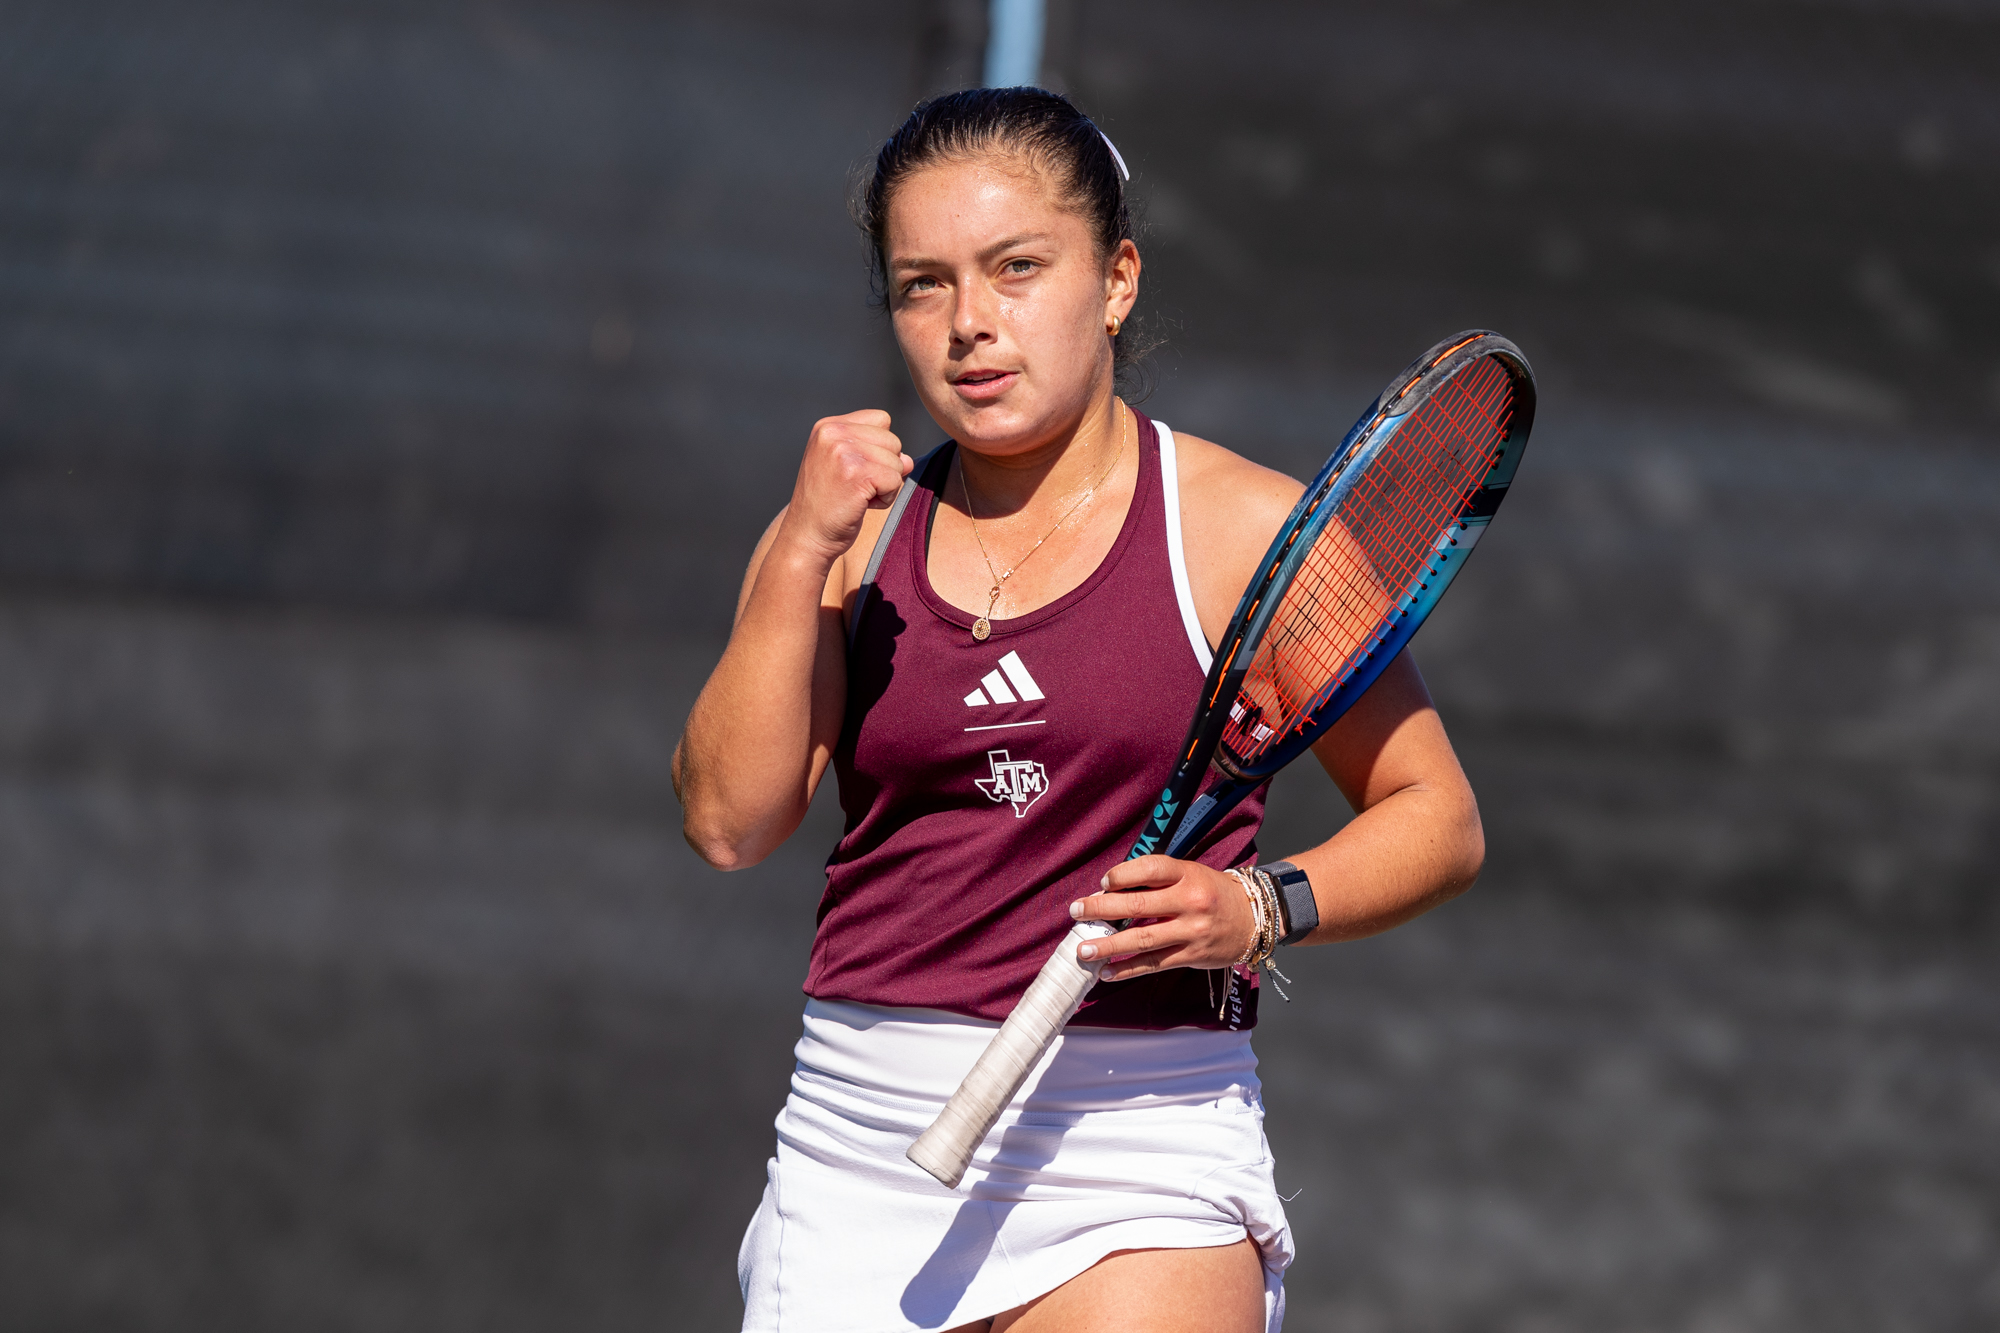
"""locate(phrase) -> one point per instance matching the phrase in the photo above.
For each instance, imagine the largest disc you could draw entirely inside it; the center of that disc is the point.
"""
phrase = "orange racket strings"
(1372, 553)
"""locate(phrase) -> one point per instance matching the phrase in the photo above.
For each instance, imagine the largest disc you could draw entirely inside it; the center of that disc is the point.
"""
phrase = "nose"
(972, 314)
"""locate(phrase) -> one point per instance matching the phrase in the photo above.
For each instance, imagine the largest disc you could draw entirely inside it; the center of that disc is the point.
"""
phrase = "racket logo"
(1163, 814)
(1020, 782)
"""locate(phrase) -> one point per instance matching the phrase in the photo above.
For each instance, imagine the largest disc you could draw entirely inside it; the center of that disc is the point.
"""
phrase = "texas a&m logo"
(1021, 781)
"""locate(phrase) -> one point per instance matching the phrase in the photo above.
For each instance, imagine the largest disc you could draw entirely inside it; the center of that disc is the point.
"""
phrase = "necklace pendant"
(981, 628)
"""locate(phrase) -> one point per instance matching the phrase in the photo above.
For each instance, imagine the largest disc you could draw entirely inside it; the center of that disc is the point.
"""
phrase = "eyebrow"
(1009, 243)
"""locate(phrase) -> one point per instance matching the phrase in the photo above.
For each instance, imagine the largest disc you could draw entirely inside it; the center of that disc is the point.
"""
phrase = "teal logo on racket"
(1163, 818)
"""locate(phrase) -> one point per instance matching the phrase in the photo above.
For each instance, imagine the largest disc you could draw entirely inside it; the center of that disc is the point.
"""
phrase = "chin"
(994, 429)
(981, 421)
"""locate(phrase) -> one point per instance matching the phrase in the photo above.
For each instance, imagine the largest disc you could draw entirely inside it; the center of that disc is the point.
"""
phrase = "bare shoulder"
(854, 565)
(1217, 482)
(1230, 510)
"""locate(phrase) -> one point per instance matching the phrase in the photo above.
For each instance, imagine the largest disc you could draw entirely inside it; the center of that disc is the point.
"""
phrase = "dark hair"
(1045, 128)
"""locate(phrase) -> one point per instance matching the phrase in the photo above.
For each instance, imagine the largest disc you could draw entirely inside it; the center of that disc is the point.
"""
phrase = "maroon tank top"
(989, 784)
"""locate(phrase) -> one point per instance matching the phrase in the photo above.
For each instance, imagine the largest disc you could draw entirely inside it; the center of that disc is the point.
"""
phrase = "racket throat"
(1208, 810)
(1226, 766)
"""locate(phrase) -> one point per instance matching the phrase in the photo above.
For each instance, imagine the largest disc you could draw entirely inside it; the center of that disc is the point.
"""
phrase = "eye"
(1020, 267)
(920, 284)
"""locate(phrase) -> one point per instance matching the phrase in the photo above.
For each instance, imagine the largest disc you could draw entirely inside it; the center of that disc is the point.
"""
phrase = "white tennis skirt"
(1119, 1141)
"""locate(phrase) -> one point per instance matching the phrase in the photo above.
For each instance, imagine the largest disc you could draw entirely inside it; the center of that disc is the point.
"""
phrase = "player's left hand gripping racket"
(1373, 543)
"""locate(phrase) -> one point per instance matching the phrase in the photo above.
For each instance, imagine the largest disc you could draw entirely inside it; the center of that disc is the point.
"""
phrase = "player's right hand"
(853, 464)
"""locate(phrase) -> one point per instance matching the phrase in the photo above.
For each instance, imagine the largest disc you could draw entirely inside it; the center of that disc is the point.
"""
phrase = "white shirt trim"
(1170, 487)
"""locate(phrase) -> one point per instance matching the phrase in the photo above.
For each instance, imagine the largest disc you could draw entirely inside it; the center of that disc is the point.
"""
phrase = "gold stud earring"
(1116, 324)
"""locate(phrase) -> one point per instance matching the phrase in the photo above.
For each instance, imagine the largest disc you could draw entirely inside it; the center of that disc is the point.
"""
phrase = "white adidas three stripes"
(996, 691)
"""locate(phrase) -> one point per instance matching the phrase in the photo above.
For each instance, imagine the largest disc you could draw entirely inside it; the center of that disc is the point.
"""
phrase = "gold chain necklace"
(983, 626)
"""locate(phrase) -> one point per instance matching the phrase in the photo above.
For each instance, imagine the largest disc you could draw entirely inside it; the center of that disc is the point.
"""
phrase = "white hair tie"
(1123, 170)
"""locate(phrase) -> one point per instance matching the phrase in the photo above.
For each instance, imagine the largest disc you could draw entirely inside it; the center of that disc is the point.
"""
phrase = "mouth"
(983, 384)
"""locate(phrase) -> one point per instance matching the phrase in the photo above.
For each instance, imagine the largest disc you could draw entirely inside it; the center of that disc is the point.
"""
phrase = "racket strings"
(1372, 557)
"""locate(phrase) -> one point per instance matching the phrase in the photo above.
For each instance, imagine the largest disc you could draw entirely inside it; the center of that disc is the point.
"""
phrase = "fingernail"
(1104, 885)
(1076, 909)
(1087, 951)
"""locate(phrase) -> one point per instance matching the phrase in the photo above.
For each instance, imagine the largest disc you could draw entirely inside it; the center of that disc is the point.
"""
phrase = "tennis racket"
(1377, 537)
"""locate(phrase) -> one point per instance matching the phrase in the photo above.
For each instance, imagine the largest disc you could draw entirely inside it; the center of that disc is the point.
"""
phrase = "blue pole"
(1014, 43)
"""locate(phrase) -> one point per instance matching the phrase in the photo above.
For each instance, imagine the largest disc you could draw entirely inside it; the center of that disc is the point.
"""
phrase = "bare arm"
(1417, 840)
(762, 732)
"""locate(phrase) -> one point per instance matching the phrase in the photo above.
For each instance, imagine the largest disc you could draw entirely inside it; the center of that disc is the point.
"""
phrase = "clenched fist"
(853, 464)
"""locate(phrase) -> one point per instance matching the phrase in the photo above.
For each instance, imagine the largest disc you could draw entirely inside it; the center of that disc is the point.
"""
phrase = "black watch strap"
(1295, 900)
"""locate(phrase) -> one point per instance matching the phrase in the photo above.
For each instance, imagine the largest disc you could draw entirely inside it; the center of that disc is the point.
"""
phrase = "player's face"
(1000, 301)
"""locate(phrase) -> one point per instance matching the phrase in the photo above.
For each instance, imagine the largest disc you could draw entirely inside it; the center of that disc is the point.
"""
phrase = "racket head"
(1376, 537)
(1408, 496)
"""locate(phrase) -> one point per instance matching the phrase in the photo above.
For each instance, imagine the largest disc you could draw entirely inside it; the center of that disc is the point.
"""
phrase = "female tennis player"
(1019, 675)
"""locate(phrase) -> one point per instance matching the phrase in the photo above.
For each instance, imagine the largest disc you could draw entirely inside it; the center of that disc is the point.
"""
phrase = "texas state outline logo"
(1020, 781)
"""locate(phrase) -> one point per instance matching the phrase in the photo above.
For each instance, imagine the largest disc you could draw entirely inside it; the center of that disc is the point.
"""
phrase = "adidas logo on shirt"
(1011, 687)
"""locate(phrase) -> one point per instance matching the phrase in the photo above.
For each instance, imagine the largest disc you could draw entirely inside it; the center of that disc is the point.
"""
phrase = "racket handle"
(946, 1148)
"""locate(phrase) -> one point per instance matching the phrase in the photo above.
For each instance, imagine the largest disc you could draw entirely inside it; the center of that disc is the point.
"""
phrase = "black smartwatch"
(1295, 900)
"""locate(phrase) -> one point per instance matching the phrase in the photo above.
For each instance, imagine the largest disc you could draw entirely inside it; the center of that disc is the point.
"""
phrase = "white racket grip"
(946, 1148)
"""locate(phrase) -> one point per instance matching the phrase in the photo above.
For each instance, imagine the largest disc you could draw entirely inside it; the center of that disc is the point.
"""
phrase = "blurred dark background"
(391, 393)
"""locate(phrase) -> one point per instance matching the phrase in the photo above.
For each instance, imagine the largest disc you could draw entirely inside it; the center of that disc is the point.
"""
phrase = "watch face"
(1295, 898)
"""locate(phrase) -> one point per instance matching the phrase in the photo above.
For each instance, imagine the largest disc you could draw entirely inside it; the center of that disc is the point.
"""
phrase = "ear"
(1121, 281)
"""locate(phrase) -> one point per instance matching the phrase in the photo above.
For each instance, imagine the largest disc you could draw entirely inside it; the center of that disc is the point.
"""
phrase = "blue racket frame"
(1177, 823)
